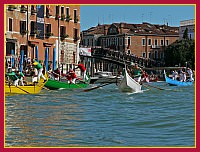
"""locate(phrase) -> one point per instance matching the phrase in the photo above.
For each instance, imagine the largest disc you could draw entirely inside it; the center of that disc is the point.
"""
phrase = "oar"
(22, 89)
(96, 87)
(9, 83)
(158, 87)
(76, 85)
(152, 86)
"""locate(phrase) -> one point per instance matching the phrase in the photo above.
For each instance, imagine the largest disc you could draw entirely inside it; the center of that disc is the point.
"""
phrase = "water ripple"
(102, 117)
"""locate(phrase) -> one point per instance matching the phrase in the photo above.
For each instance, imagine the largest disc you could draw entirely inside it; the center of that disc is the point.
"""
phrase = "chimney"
(105, 30)
(121, 26)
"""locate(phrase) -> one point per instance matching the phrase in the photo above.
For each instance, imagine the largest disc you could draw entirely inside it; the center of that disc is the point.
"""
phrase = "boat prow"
(128, 84)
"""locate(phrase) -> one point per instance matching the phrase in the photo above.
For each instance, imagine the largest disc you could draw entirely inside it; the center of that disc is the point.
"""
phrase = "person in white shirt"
(190, 73)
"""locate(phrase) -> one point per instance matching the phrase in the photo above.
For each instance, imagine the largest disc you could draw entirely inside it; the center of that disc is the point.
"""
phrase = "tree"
(185, 34)
(181, 52)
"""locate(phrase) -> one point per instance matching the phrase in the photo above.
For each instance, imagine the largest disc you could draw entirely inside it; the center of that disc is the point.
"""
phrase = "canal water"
(103, 117)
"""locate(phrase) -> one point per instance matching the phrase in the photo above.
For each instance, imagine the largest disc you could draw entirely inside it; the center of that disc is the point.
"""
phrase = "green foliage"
(185, 34)
(181, 52)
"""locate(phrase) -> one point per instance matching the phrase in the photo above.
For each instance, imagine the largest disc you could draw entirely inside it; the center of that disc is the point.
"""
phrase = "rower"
(136, 72)
(12, 76)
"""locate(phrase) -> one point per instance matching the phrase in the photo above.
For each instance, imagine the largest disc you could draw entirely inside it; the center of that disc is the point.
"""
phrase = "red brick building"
(45, 26)
(143, 40)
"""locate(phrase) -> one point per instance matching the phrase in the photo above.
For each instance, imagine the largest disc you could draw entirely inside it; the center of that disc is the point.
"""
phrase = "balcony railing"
(63, 36)
(76, 20)
(47, 35)
(68, 18)
(11, 7)
(23, 9)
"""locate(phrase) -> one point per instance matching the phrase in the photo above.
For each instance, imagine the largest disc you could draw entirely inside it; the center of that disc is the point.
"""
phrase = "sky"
(91, 15)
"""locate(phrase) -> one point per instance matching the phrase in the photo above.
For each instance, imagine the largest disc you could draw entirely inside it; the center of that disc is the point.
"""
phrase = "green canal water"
(102, 117)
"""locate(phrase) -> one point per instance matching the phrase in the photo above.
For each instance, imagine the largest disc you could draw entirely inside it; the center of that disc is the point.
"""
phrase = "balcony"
(35, 32)
(33, 12)
(76, 38)
(62, 17)
(155, 46)
(23, 9)
(57, 16)
(47, 35)
(76, 20)
(63, 36)
(23, 32)
(68, 18)
(11, 7)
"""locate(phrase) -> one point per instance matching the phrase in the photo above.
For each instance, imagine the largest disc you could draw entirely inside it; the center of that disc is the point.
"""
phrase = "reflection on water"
(102, 117)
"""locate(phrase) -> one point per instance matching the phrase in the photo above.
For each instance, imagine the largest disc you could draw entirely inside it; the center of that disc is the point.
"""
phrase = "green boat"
(55, 84)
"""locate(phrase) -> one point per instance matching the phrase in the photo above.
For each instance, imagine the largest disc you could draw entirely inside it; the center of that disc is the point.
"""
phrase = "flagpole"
(58, 41)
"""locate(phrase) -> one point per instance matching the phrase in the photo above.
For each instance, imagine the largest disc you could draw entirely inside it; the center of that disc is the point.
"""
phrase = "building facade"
(51, 31)
(190, 25)
(142, 40)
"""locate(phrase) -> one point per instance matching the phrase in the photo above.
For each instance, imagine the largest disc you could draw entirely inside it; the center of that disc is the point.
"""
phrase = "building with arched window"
(43, 29)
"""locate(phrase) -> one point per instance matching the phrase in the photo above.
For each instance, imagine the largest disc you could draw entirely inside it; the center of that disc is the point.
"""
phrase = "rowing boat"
(128, 84)
(176, 82)
(32, 88)
(55, 84)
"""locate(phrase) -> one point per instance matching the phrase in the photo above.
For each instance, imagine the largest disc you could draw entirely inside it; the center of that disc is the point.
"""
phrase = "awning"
(47, 44)
(11, 40)
(33, 43)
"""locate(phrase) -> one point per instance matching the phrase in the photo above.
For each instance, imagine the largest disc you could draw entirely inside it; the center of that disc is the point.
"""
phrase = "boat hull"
(128, 84)
(54, 85)
(27, 89)
(176, 82)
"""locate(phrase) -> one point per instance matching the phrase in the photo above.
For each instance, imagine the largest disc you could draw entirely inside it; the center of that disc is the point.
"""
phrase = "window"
(161, 42)
(76, 36)
(150, 55)
(33, 11)
(143, 54)
(156, 54)
(10, 24)
(33, 28)
(48, 30)
(149, 41)
(67, 11)
(161, 55)
(167, 42)
(47, 11)
(62, 30)
(92, 42)
(62, 10)
(57, 10)
(23, 27)
(156, 42)
(129, 41)
(88, 43)
(75, 16)
(143, 42)
(121, 41)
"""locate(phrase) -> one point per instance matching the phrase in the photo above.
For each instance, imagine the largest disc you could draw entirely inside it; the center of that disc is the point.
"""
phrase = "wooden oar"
(9, 84)
(152, 86)
(96, 87)
(158, 87)
(76, 85)
(22, 89)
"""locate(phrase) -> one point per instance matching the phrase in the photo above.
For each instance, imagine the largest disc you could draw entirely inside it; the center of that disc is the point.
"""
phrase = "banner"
(40, 21)
(85, 51)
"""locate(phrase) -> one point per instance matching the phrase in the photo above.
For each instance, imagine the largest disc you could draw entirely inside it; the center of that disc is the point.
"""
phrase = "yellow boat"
(31, 88)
